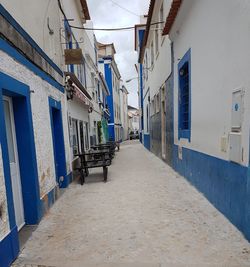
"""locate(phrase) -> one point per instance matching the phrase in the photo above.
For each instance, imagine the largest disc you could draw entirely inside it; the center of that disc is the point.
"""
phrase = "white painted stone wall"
(33, 16)
(41, 119)
(220, 57)
(4, 220)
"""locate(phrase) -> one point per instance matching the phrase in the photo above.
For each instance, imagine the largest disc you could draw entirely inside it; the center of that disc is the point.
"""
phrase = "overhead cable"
(101, 29)
(131, 12)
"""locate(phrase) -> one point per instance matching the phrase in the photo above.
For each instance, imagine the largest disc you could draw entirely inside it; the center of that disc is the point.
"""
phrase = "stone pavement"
(146, 215)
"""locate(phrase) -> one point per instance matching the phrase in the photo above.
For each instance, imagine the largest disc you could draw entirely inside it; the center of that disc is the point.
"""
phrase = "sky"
(107, 14)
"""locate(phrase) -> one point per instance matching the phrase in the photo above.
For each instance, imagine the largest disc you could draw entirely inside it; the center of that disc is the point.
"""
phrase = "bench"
(94, 159)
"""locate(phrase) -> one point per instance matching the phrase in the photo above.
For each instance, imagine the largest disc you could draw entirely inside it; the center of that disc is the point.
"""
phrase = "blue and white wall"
(156, 71)
(110, 71)
(213, 158)
(33, 91)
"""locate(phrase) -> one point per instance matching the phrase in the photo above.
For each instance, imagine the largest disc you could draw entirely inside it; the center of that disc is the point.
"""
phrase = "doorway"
(58, 142)
(14, 162)
(163, 123)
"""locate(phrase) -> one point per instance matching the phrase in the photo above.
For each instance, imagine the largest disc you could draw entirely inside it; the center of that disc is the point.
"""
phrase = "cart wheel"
(105, 173)
(82, 177)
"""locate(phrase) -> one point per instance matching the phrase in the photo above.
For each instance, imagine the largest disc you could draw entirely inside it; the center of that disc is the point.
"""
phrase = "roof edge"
(85, 9)
(145, 39)
(173, 12)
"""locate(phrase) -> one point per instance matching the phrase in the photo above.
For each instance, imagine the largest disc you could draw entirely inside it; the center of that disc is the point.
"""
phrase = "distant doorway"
(163, 123)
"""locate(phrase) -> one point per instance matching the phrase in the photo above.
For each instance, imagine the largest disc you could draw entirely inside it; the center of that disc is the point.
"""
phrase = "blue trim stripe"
(11, 51)
(28, 38)
(225, 184)
(20, 94)
(9, 248)
(141, 97)
(184, 133)
(6, 166)
(58, 141)
(147, 141)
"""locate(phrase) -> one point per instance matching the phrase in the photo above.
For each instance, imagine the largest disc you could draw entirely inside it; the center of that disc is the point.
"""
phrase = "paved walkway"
(146, 215)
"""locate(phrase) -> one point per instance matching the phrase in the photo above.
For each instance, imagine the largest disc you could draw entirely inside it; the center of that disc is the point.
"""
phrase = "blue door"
(58, 142)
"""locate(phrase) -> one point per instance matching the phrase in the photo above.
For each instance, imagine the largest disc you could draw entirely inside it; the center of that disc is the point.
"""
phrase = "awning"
(78, 89)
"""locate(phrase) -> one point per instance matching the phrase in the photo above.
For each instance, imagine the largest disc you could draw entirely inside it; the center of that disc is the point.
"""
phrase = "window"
(156, 41)
(75, 138)
(80, 73)
(147, 119)
(157, 109)
(184, 69)
(69, 43)
(152, 54)
(86, 135)
(153, 107)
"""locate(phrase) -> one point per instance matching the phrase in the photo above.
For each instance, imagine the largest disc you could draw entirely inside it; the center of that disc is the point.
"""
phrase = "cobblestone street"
(145, 215)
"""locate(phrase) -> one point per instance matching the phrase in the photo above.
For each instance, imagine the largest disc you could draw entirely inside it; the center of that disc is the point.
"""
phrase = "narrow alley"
(145, 215)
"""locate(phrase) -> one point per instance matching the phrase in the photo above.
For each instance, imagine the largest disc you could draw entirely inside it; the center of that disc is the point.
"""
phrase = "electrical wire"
(100, 29)
(112, 29)
(131, 12)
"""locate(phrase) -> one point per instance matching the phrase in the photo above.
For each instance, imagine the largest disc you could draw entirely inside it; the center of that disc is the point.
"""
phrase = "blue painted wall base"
(147, 141)
(225, 184)
(111, 130)
(9, 248)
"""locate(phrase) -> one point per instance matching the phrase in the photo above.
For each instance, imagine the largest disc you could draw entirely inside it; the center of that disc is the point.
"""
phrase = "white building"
(202, 74)
(109, 68)
(154, 68)
(34, 158)
(212, 101)
(134, 119)
(79, 102)
(124, 112)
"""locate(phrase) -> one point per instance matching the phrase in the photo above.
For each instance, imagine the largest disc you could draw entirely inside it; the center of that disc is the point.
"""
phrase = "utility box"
(235, 153)
(237, 110)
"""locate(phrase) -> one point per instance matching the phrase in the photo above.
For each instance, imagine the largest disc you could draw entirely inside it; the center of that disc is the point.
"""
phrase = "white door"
(14, 164)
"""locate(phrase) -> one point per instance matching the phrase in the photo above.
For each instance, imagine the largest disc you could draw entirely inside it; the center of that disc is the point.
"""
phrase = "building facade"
(124, 112)
(34, 158)
(79, 102)
(155, 82)
(206, 95)
(134, 119)
(108, 66)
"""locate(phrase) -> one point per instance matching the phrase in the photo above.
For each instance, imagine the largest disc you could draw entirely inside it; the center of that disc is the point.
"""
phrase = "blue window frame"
(184, 99)
(69, 42)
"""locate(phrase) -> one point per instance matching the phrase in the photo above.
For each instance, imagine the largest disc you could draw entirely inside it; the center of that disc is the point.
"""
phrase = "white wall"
(158, 72)
(220, 57)
(41, 119)
(32, 16)
(124, 113)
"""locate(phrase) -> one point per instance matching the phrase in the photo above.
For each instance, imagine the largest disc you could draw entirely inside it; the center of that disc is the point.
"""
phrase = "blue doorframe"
(58, 142)
(248, 196)
(20, 93)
